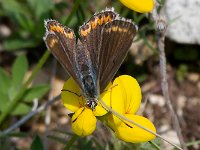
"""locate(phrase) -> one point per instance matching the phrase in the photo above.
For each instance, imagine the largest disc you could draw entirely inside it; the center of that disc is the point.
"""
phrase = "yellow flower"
(83, 122)
(127, 104)
(123, 96)
(73, 100)
(131, 133)
(83, 119)
(141, 6)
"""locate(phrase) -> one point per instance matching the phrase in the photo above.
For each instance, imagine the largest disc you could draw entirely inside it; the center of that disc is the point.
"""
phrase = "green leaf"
(13, 91)
(153, 145)
(19, 69)
(41, 7)
(25, 22)
(17, 44)
(36, 92)
(17, 134)
(4, 101)
(37, 144)
(13, 6)
(4, 81)
(21, 109)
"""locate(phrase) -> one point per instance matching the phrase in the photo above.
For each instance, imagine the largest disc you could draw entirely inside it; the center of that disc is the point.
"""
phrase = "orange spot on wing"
(107, 19)
(69, 35)
(104, 19)
(100, 20)
(114, 28)
(85, 30)
(53, 42)
(94, 23)
(110, 19)
(56, 28)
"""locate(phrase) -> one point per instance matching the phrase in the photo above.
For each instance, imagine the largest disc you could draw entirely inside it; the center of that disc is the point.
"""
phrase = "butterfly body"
(86, 73)
(93, 59)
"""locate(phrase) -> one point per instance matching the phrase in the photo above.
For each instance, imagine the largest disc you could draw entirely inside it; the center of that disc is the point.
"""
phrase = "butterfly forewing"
(61, 41)
(117, 37)
(90, 34)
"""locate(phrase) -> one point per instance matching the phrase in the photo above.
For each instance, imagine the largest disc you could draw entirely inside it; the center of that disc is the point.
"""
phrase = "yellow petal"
(83, 122)
(105, 97)
(118, 96)
(108, 120)
(71, 98)
(125, 96)
(141, 6)
(132, 91)
(131, 133)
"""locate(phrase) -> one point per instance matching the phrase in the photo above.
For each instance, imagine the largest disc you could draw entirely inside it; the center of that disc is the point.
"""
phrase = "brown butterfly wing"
(117, 37)
(90, 34)
(61, 41)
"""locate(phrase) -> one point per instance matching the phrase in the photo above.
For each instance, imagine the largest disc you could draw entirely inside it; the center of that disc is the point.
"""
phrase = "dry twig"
(29, 115)
(161, 28)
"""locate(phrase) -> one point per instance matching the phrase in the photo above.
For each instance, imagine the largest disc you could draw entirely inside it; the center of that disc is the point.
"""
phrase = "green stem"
(155, 145)
(19, 96)
(74, 9)
(71, 142)
(193, 143)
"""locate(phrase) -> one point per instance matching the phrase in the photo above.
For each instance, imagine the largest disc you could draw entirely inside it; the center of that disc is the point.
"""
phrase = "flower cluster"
(123, 96)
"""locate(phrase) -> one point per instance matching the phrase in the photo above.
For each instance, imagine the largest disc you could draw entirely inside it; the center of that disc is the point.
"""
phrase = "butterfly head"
(92, 103)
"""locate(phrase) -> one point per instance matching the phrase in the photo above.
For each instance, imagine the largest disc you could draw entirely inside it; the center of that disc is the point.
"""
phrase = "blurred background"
(22, 46)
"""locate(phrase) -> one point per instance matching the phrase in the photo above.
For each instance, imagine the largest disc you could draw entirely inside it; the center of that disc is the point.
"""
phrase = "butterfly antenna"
(136, 124)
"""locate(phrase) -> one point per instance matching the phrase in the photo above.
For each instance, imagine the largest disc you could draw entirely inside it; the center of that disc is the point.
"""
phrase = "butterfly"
(94, 58)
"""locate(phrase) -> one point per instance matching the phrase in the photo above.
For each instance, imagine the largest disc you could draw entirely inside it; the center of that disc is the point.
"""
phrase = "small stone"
(193, 77)
(157, 99)
(4, 31)
(181, 102)
(172, 137)
(183, 19)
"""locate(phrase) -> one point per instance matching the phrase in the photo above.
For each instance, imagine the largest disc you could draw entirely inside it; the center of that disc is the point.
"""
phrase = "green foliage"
(14, 43)
(35, 92)
(40, 7)
(37, 144)
(19, 69)
(11, 85)
(181, 72)
(186, 53)
(5, 81)
(28, 19)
